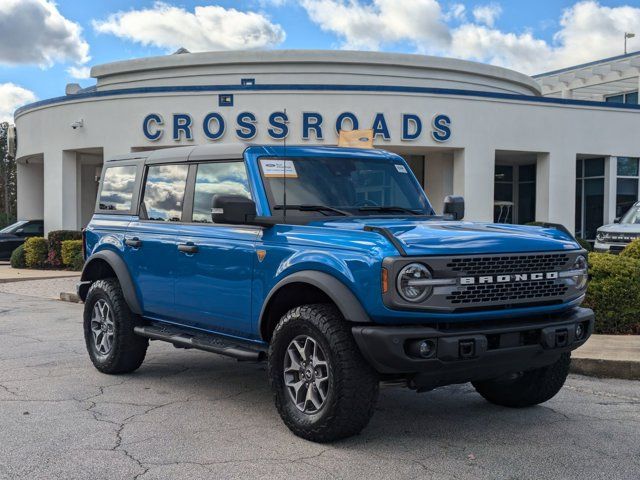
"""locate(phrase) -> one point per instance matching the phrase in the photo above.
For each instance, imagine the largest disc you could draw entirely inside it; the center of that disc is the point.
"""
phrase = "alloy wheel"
(306, 374)
(102, 327)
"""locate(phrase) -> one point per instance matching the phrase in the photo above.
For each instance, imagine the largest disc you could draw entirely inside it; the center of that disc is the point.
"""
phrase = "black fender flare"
(122, 273)
(337, 291)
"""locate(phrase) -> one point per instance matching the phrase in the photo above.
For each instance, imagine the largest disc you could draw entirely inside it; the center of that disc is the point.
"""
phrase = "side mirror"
(454, 206)
(617, 220)
(233, 209)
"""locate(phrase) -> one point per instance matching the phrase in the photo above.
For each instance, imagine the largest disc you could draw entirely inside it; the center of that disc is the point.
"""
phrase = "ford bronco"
(331, 265)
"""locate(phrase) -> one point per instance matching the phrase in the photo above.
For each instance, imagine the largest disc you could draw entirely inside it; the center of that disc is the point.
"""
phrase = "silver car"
(615, 236)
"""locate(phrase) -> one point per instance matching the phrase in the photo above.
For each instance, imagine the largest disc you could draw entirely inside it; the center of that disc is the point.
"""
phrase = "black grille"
(508, 264)
(535, 291)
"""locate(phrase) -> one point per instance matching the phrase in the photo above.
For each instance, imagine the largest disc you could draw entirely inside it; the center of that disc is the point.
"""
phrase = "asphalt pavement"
(189, 414)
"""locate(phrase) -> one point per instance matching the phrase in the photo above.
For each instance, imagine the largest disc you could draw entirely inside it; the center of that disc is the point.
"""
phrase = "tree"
(7, 180)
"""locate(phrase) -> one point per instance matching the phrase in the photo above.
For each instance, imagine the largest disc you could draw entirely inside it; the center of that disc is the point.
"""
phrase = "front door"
(215, 262)
(150, 247)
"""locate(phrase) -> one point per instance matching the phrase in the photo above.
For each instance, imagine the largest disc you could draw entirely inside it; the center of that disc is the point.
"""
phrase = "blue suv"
(331, 265)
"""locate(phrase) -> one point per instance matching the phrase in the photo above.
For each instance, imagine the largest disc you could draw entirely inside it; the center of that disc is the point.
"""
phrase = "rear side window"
(219, 178)
(117, 188)
(164, 192)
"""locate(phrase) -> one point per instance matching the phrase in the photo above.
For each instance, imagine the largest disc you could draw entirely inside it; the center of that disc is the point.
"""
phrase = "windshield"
(633, 215)
(13, 227)
(355, 186)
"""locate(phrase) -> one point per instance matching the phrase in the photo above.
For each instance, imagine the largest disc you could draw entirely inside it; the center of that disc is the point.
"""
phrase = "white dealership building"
(559, 147)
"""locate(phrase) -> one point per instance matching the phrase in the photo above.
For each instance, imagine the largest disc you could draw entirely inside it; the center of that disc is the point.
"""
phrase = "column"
(60, 191)
(556, 188)
(438, 178)
(30, 190)
(610, 188)
(473, 178)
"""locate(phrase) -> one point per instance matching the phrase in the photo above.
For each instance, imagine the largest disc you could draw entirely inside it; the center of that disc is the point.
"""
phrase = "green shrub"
(614, 293)
(56, 237)
(35, 252)
(632, 250)
(17, 257)
(584, 244)
(72, 254)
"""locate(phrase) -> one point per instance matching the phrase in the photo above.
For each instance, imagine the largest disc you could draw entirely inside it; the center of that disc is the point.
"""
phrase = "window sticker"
(401, 168)
(278, 168)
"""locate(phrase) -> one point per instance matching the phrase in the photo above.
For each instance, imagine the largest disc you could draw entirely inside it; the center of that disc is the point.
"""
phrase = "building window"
(503, 194)
(629, 98)
(589, 197)
(219, 178)
(626, 184)
(117, 188)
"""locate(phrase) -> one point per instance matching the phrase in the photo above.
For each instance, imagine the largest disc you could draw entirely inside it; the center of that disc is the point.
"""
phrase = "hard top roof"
(236, 151)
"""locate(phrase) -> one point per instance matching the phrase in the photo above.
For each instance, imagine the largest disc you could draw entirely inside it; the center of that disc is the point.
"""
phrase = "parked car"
(614, 237)
(14, 235)
(331, 265)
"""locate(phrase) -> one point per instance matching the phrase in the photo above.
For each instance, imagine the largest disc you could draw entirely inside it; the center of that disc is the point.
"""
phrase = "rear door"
(151, 241)
(214, 268)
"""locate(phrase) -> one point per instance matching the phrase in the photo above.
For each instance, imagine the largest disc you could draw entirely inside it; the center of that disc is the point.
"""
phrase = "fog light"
(421, 348)
(580, 330)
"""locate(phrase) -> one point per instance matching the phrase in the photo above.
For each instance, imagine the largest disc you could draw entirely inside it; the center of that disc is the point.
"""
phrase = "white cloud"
(79, 72)
(587, 31)
(206, 28)
(370, 25)
(13, 96)
(34, 32)
(457, 11)
(487, 14)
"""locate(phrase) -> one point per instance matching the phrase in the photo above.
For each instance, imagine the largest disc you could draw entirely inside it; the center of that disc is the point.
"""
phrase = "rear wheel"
(324, 390)
(108, 329)
(527, 388)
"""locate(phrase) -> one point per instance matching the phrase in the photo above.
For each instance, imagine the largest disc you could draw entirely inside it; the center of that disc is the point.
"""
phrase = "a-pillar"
(556, 188)
(60, 190)
(473, 178)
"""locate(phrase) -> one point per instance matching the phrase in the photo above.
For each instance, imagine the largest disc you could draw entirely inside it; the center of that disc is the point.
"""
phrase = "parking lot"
(197, 415)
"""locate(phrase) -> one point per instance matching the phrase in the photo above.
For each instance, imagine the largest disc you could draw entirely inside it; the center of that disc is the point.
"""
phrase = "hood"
(438, 237)
(620, 228)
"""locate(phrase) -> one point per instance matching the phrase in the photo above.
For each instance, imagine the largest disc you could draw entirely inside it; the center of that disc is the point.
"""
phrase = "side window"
(117, 188)
(164, 192)
(221, 178)
(33, 228)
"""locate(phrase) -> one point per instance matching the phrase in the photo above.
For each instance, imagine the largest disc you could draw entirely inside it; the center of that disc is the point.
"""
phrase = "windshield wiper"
(381, 208)
(312, 208)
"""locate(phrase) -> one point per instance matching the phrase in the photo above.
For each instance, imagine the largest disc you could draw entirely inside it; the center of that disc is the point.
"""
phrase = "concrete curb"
(597, 367)
(69, 297)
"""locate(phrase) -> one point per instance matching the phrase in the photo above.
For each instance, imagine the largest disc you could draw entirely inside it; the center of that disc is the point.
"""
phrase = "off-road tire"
(353, 384)
(128, 349)
(530, 388)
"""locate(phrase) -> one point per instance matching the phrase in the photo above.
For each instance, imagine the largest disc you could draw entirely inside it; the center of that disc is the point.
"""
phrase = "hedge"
(614, 293)
(17, 258)
(56, 237)
(35, 252)
(72, 254)
(632, 250)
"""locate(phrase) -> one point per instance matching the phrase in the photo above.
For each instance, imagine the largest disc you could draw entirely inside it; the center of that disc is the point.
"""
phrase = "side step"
(203, 341)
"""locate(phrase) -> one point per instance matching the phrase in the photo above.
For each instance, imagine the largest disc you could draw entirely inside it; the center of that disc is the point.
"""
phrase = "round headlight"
(580, 265)
(411, 282)
(600, 236)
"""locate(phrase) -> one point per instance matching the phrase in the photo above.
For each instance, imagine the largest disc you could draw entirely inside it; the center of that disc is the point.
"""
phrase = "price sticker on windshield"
(401, 168)
(278, 168)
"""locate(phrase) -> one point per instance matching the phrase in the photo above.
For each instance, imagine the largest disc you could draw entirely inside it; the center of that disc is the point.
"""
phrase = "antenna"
(284, 173)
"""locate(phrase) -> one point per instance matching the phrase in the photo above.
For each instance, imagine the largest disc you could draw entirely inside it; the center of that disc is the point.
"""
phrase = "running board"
(202, 341)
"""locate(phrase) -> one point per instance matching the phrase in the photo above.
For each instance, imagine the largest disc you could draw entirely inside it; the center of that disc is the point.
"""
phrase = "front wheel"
(527, 388)
(324, 390)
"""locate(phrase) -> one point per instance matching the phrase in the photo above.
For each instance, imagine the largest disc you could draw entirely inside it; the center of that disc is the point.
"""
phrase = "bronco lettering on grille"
(515, 277)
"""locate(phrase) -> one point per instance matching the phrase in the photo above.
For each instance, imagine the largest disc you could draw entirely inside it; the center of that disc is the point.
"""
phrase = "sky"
(45, 44)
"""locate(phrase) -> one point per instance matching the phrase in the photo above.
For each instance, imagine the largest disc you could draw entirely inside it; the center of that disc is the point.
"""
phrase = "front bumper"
(473, 353)
(614, 248)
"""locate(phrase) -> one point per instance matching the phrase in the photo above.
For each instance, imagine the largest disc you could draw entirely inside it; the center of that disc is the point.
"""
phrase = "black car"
(15, 234)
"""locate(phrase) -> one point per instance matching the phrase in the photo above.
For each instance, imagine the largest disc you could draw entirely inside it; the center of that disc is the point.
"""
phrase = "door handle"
(134, 242)
(188, 248)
